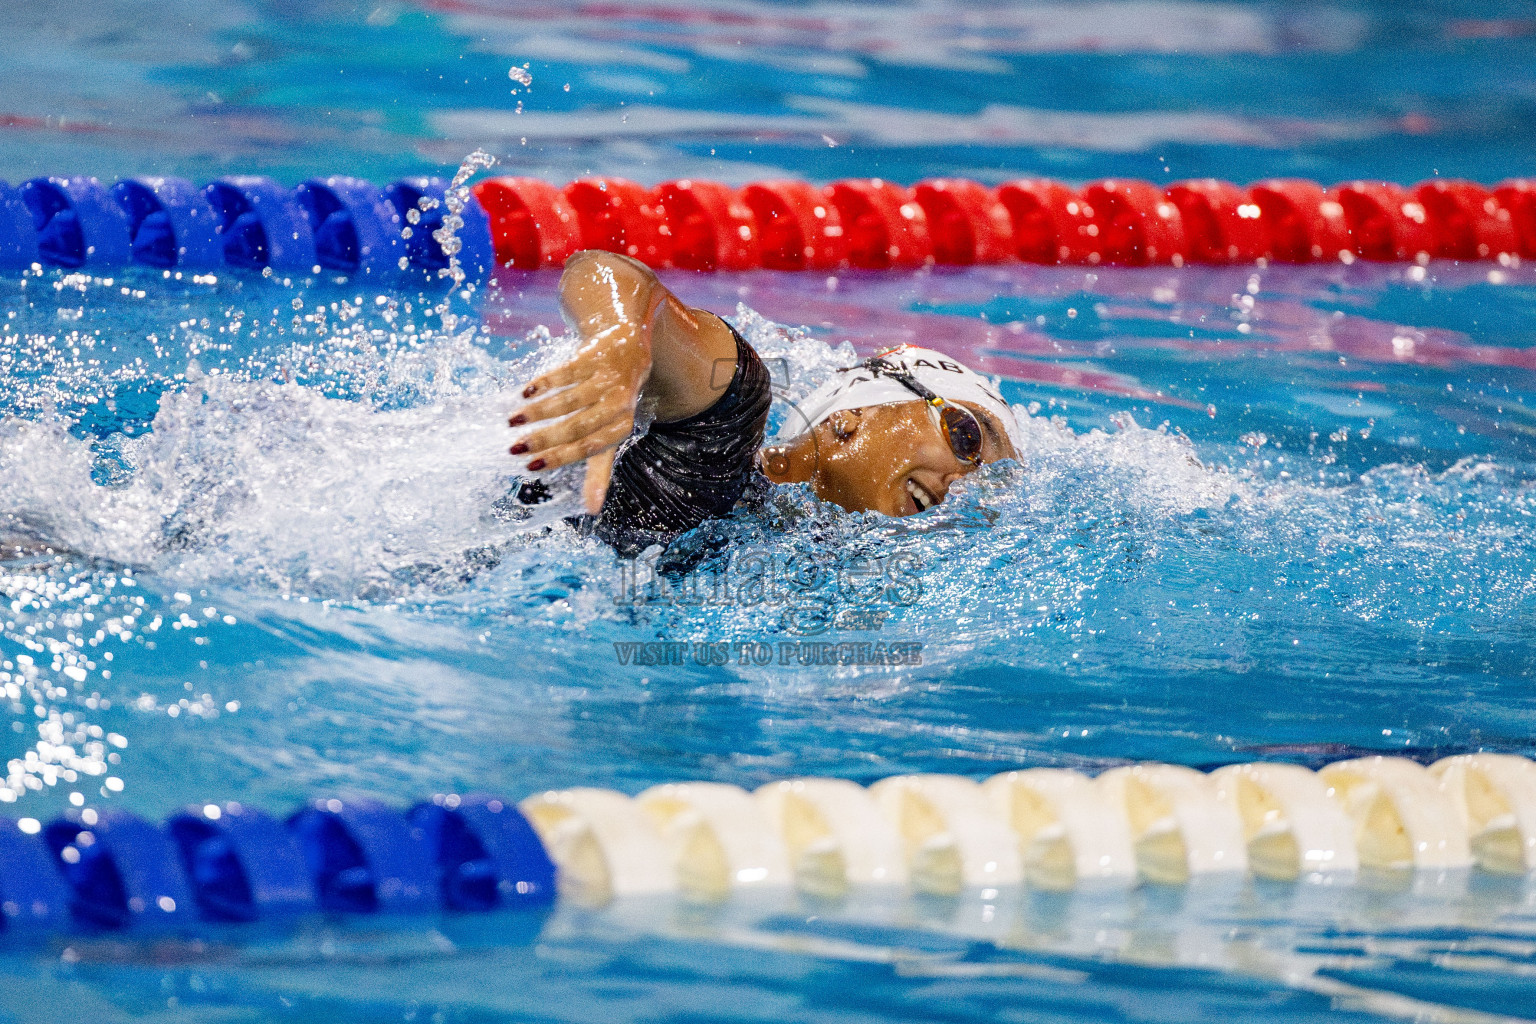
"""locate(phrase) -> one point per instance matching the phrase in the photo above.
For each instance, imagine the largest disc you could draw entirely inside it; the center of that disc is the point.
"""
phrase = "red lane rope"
(871, 224)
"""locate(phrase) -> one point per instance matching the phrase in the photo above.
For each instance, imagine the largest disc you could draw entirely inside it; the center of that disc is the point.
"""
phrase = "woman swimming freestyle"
(890, 435)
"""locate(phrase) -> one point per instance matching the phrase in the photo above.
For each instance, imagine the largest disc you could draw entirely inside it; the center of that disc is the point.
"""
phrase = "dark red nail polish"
(519, 448)
(517, 421)
(529, 390)
(535, 465)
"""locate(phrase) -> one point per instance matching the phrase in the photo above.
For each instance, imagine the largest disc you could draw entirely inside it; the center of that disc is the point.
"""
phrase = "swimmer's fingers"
(576, 426)
(618, 353)
(588, 392)
(605, 437)
(578, 369)
(594, 487)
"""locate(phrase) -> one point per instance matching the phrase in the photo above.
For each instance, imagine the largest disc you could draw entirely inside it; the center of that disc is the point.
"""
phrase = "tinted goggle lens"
(962, 432)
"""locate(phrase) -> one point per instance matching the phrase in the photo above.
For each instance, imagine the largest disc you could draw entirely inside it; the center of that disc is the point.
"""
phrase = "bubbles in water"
(456, 198)
(54, 620)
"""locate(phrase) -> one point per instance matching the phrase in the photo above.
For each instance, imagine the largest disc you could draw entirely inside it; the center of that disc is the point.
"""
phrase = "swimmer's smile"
(922, 498)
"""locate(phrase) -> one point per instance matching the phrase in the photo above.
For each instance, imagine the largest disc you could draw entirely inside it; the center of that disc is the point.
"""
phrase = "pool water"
(258, 544)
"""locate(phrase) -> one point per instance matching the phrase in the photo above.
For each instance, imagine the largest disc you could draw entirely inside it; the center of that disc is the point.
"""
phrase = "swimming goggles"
(961, 430)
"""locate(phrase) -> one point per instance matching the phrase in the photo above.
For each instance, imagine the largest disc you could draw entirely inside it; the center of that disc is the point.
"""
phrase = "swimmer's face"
(883, 458)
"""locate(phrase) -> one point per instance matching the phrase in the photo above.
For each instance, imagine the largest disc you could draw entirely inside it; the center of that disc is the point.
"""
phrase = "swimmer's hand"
(597, 393)
(639, 341)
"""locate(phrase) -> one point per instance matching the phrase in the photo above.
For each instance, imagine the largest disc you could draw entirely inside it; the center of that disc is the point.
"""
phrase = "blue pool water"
(1282, 513)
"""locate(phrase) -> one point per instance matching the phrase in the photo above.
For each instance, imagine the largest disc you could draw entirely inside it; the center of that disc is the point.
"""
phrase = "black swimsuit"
(676, 475)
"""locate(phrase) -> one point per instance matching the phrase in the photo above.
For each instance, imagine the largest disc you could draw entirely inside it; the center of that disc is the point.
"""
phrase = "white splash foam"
(255, 479)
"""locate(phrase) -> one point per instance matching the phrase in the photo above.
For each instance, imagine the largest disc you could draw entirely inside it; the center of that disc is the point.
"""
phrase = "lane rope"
(931, 835)
(390, 236)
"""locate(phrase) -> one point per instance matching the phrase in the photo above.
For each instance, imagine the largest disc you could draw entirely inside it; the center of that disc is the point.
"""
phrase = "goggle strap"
(879, 367)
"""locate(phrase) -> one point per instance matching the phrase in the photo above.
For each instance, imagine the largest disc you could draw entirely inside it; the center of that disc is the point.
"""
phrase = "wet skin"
(891, 459)
(642, 344)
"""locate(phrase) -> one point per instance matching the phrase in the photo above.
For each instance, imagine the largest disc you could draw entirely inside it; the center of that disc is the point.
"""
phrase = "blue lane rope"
(338, 224)
(18, 238)
(228, 863)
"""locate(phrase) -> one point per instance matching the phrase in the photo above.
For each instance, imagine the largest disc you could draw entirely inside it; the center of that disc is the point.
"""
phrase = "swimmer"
(890, 435)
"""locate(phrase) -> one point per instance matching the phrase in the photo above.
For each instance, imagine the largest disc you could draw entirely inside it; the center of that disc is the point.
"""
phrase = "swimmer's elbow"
(599, 289)
(590, 265)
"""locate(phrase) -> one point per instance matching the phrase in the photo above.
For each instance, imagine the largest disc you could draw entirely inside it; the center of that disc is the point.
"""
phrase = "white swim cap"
(857, 387)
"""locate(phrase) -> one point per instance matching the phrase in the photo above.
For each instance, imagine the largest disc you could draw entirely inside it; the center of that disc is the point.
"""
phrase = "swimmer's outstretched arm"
(639, 343)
